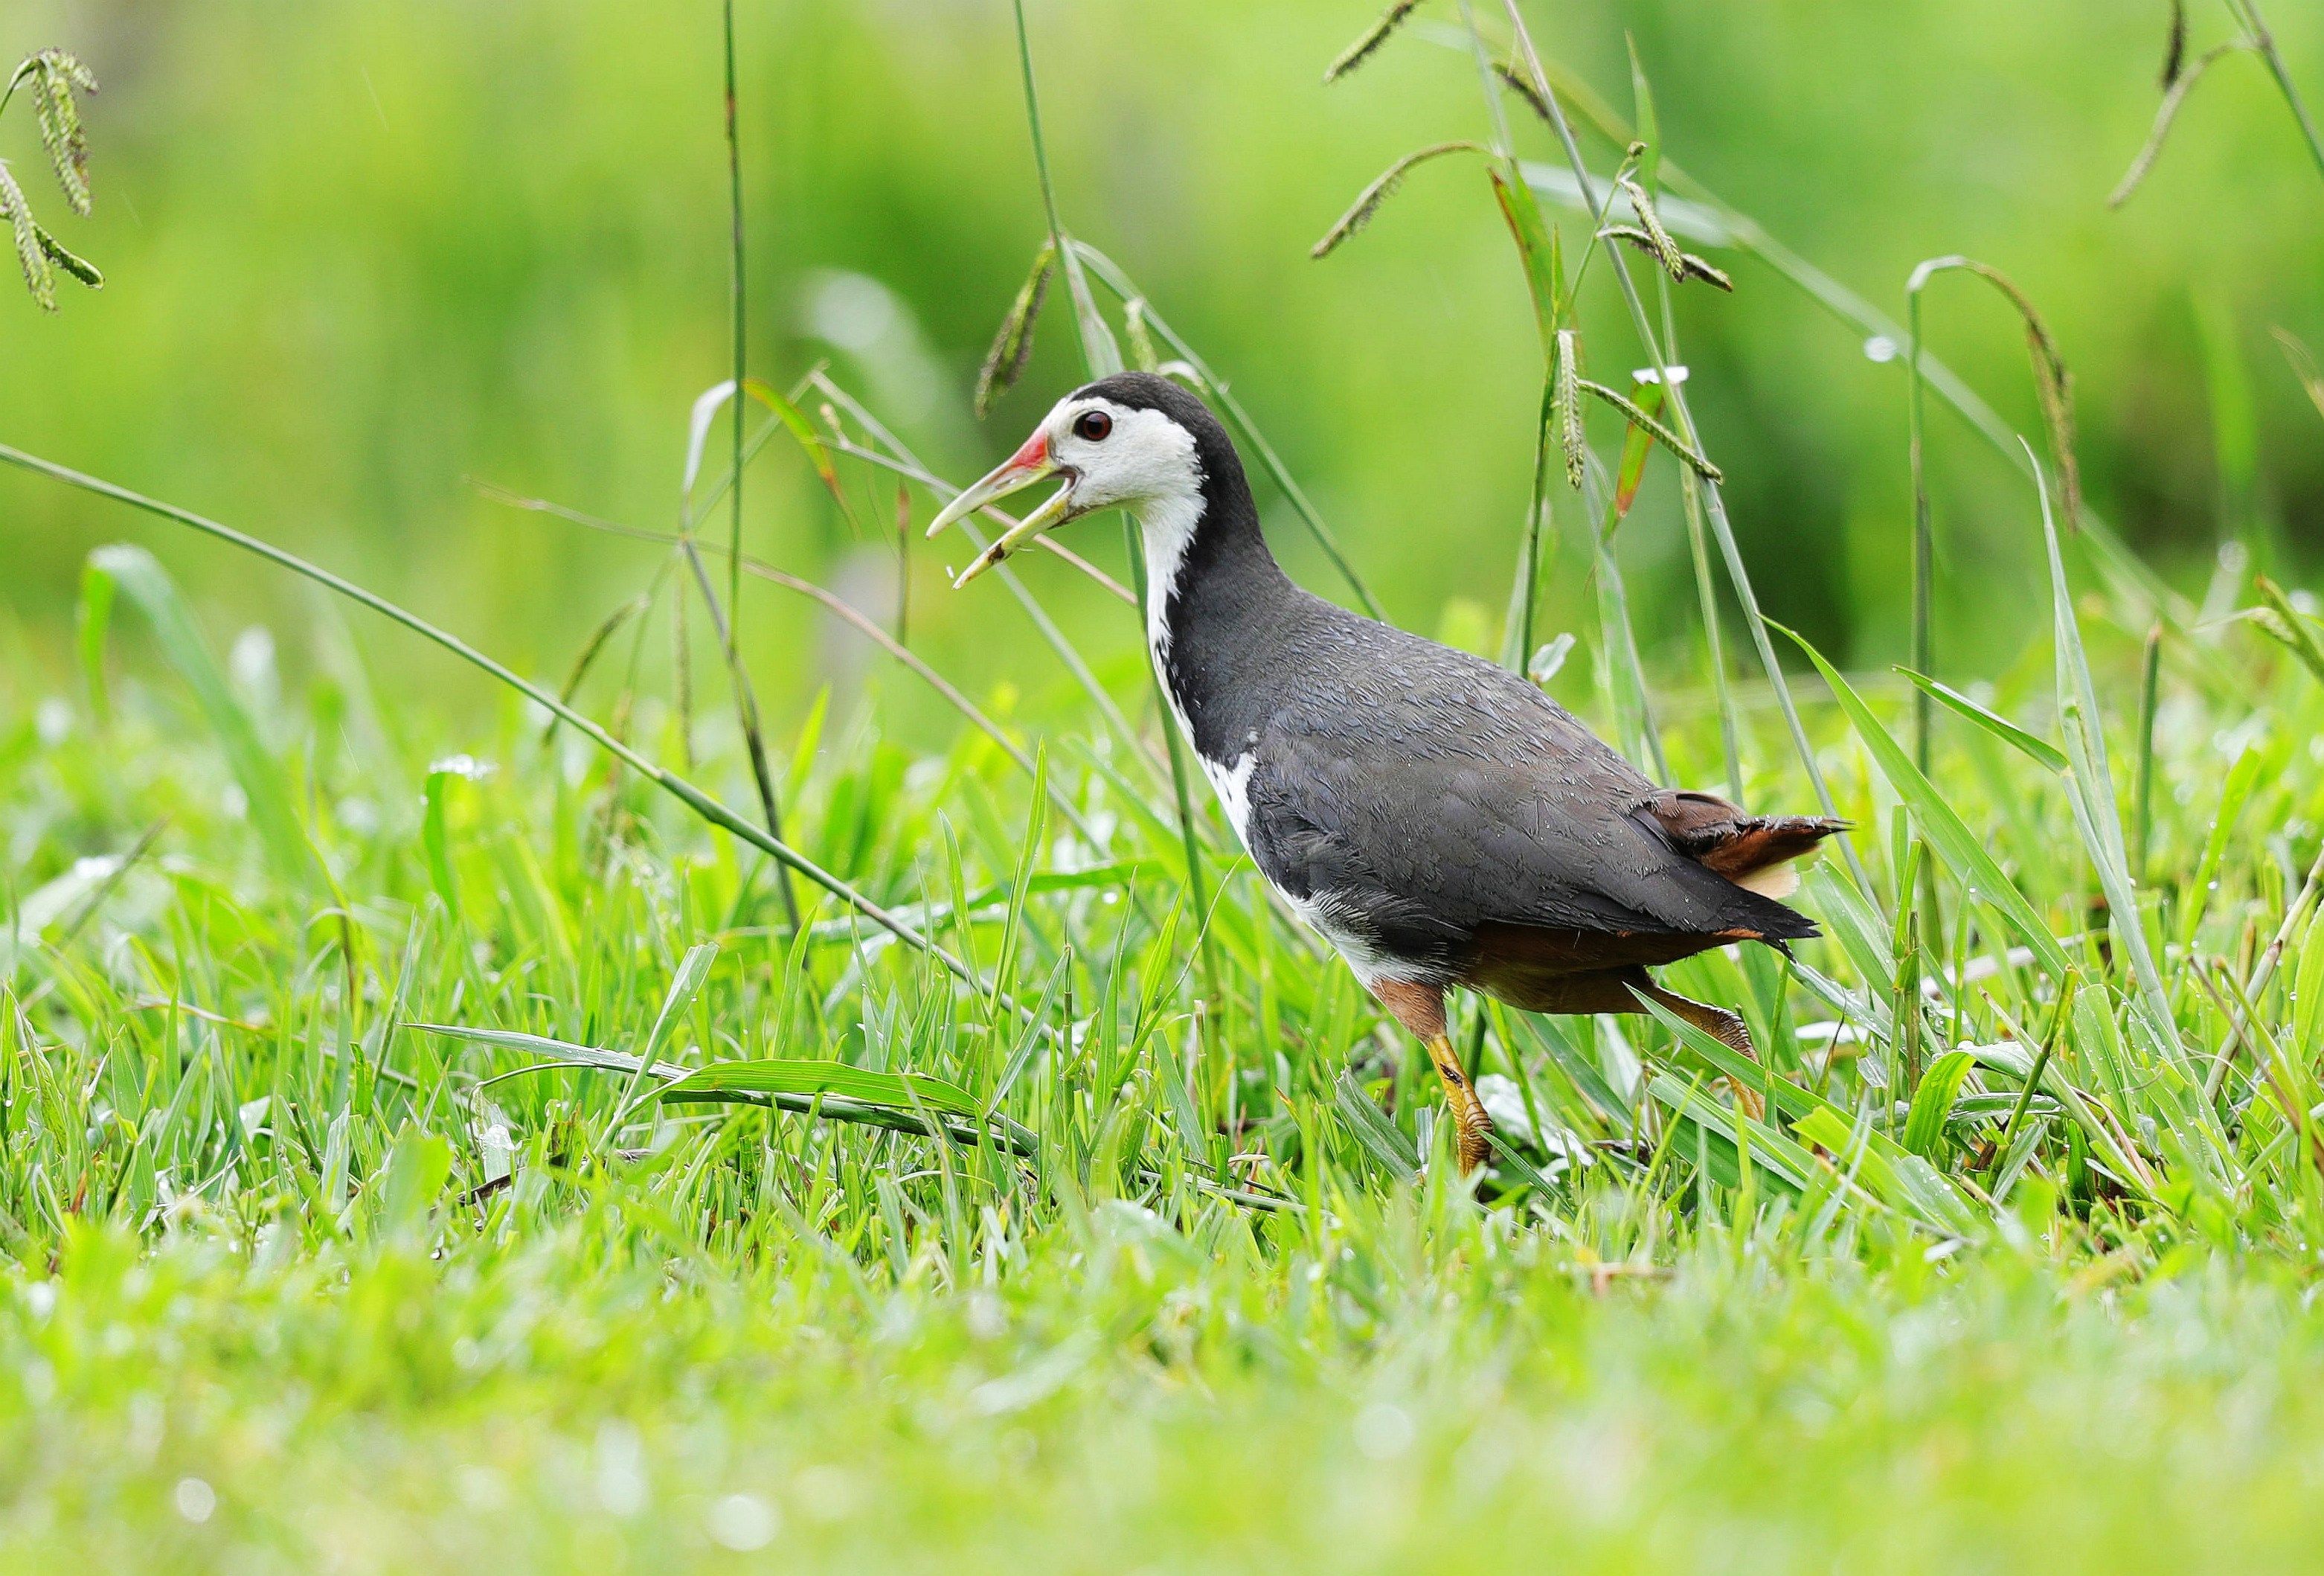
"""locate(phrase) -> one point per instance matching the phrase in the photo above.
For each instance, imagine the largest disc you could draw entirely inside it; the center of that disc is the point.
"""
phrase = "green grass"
(422, 1148)
(245, 1249)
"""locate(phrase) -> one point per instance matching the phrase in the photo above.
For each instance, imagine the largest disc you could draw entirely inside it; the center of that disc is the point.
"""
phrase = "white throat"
(1165, 525)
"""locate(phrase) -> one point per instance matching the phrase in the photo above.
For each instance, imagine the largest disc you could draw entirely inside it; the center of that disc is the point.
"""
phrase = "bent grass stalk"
(1738, 576)
(1102, 357)
(2174, 96)
(2054, 387)
(688, 794)
(2128, 575)
(839, 607)
(2255, 28)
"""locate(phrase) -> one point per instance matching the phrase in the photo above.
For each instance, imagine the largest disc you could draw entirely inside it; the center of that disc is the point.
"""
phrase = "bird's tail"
(1758, 856)
(1753, 851)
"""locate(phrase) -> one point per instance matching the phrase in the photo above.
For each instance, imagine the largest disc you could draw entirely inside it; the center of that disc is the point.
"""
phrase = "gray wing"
(1432, 793)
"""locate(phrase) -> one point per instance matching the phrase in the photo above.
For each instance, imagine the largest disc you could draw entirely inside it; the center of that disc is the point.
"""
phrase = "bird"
(1441, 821)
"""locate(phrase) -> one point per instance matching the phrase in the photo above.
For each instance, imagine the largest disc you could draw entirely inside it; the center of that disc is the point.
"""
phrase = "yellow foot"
(1461, 1097)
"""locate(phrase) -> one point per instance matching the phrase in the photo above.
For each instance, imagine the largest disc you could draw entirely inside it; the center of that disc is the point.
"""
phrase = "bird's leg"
(1461, 1098)
(1727, 1028)
(1421, 1009)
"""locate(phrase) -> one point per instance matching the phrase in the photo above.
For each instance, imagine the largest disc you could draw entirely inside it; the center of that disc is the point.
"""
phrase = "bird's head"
(1131, 441)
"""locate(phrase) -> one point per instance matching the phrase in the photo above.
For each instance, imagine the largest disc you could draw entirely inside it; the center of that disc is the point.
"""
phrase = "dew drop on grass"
(196, 1500)
(1880, 348)
(742, 1522)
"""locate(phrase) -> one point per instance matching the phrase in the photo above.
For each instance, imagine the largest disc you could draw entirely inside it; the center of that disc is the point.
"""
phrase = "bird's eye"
(1092, 426)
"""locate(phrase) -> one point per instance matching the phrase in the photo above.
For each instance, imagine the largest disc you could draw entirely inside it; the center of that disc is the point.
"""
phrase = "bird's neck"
(1215, 598)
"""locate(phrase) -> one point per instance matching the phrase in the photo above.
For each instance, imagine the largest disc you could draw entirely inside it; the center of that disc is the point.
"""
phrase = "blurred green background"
(362, 253)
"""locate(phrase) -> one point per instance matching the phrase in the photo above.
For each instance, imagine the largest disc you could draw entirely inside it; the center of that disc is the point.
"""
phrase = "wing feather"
(1438, 794)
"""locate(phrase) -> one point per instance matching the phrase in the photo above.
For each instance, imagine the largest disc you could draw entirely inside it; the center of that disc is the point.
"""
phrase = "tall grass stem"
(1102, 358)
(685, 792)
(1737, 574)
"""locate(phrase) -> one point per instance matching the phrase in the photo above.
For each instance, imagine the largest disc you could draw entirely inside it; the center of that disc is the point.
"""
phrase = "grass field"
(433, 1142)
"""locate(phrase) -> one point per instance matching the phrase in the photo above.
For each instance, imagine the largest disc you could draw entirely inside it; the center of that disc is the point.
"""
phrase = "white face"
(1120, 456)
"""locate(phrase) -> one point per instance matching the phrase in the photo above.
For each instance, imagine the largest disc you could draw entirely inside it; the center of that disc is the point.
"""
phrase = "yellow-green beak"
(1022, 469)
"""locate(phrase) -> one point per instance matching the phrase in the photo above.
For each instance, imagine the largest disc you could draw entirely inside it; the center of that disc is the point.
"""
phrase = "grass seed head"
(32, 258)
(51, 75)
(79, 267)
(2175, 95)
(1012, 347)
(1646, 420)
(1658, 241)
(1522, 85)
(1706, 271)
(1568, 404)
(1378, 33)
(1383, 186)
(1690, 265)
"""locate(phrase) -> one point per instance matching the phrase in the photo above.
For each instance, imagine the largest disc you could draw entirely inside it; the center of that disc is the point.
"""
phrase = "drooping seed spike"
(1698, 461)
(1378, 33)
(1665, 249)
(1368, 200)
(79, 267)
(51, 75)
(1708, 272)
(1012, 347)
(1522, 85)
(39, 278)
(2174, 50)
(2174, 95)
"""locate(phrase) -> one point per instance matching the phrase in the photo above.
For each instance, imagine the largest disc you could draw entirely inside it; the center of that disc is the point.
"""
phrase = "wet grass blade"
(2035, 748)
(799, 1076)
(1373, 1131)
(139, 574)
(1781, 1158)
(2243, 774)
(2149, 694)
(2092, 780)
(1942, 824)
(1932, 1102)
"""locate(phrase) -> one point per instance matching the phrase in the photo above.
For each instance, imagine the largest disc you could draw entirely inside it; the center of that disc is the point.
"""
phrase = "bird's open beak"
(1028, 465)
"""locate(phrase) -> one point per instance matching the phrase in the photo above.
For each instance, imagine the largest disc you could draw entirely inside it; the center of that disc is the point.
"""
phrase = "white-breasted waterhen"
(1441, 821)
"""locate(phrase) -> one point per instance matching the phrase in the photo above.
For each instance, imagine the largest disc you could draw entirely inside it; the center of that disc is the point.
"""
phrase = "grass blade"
(138, 573)
(1932, 1102)
(2092, 781)
(685, 792)
(1939, 822)
(2032, 746)
(1373, 1131)
(800, 1076)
